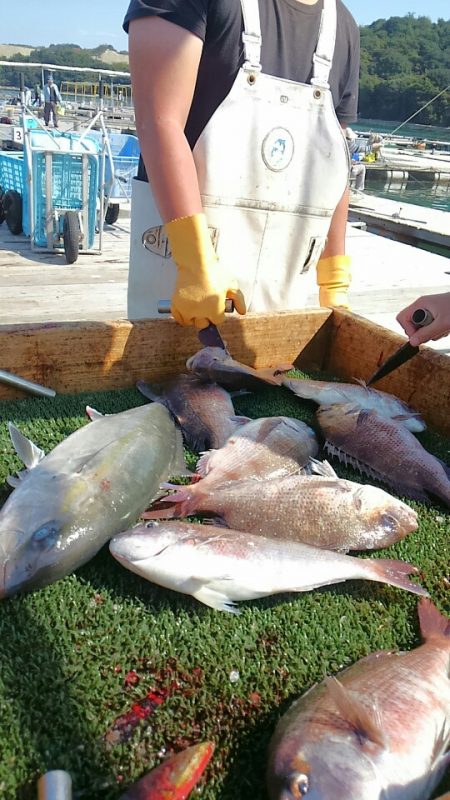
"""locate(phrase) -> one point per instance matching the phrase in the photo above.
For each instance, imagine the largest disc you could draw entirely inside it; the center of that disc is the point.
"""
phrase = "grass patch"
(79, 658)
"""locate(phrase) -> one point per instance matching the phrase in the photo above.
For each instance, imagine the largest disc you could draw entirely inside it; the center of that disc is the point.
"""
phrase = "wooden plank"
(357, 347)
(74, 357)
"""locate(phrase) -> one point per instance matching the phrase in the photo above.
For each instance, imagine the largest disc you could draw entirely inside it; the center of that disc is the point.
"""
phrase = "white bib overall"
(272, 165)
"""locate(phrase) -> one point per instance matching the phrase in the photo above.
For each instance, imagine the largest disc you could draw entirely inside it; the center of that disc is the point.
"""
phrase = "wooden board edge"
(72, 357)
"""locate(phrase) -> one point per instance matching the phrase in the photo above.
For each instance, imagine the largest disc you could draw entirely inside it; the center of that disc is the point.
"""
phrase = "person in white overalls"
(247, 212)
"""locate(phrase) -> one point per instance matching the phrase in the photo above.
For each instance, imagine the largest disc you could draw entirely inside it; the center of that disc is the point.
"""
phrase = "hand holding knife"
(209, 336)
(420, 318)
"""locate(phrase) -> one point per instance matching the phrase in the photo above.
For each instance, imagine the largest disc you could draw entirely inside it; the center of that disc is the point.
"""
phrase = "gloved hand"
(202, 284)
(333, 278)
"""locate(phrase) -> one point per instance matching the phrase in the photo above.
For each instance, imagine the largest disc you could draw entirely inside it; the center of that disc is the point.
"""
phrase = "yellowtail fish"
(380, 731)
(91, 486)
(219, 566)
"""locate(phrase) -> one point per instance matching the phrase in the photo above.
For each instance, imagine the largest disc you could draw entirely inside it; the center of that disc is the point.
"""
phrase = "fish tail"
(395, 573)
(433, 624)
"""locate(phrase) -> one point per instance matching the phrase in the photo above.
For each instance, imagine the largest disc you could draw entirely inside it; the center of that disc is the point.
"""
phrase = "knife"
(209, 336)
(420, 318)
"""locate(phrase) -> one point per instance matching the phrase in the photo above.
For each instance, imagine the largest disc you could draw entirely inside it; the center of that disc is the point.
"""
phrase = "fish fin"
(202, 463)
(365, 722)
(178, 465)
(27, 451)
(93, 414)
(433, 624)
(215, 600)
(150, 392)
(394, 573)
(240, 393)
(239, 420)
(323, 468)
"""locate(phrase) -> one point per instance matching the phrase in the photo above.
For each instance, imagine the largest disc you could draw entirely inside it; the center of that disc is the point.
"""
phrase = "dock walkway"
(41, 287)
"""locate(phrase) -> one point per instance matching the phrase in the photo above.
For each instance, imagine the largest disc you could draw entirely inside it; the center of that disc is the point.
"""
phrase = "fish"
(268, 447)
(92, 485)
(379, 731)
(445, 796)
(204, 412)
(320, 510)
(219, 566)
(327, 393)
(384, 450)
(175, 778)
(217, 365)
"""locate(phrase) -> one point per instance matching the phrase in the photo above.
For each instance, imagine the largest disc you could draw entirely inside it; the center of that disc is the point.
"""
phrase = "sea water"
(419, 190)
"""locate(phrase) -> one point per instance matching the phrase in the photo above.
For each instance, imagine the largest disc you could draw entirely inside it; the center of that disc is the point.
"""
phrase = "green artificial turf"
(76, 656)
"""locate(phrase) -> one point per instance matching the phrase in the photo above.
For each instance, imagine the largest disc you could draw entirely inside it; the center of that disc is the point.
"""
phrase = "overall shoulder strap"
(251, 36)
(323, 57)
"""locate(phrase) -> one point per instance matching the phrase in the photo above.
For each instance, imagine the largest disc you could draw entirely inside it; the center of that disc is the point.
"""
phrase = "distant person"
(37, 95)
(439, 306)
(52, 97)
(357, 168)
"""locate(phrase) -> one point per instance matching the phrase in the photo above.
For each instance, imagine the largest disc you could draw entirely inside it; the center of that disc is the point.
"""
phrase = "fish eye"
(299, 786)
(46, 535)
(388, 522)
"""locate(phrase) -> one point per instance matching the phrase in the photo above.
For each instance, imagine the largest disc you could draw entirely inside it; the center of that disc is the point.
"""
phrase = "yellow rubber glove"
(202, 283)
(333, 278)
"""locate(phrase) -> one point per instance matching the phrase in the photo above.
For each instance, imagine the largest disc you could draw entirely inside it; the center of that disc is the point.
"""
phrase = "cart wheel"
(112, 213)
(71, 236)
(12, 209)
(2, 210)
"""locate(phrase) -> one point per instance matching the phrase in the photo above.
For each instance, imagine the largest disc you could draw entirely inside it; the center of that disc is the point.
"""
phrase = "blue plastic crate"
(12, 172)
(125, 169)
(67, 192)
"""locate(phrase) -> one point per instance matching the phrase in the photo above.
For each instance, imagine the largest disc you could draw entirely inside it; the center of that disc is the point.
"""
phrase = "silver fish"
(323, 511)
(378, 732)
(327, 393)
(204, 412)
(217, 365)
(220, 566)
(91, 486)
(383, 450)
(268, 447)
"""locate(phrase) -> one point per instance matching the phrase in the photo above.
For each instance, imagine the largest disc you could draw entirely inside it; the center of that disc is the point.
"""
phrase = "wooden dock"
(406, 222)
(41, 287)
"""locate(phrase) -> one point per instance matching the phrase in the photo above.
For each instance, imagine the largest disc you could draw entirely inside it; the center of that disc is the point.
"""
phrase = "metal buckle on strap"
(322, 66)
(252, 51)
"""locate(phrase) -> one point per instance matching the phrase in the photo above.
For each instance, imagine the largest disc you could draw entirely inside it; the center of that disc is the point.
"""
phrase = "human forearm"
(170, 168)
(335, 245)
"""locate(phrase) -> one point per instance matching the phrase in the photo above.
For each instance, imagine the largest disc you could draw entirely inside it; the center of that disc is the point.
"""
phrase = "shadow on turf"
(51, 719)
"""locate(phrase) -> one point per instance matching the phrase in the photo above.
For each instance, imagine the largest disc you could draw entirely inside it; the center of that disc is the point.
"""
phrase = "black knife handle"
(422, 317)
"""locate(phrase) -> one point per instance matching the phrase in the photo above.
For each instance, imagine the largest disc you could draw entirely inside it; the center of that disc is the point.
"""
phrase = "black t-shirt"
(289, 31)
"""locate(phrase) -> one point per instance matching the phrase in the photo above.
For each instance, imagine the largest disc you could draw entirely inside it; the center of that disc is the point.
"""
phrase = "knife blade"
(421, 317)
(209, 336)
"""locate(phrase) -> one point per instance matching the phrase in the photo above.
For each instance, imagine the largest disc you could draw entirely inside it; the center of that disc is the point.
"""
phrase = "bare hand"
(439, 306)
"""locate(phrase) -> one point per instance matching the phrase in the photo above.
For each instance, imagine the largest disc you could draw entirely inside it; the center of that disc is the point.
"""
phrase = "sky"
(89, 23)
